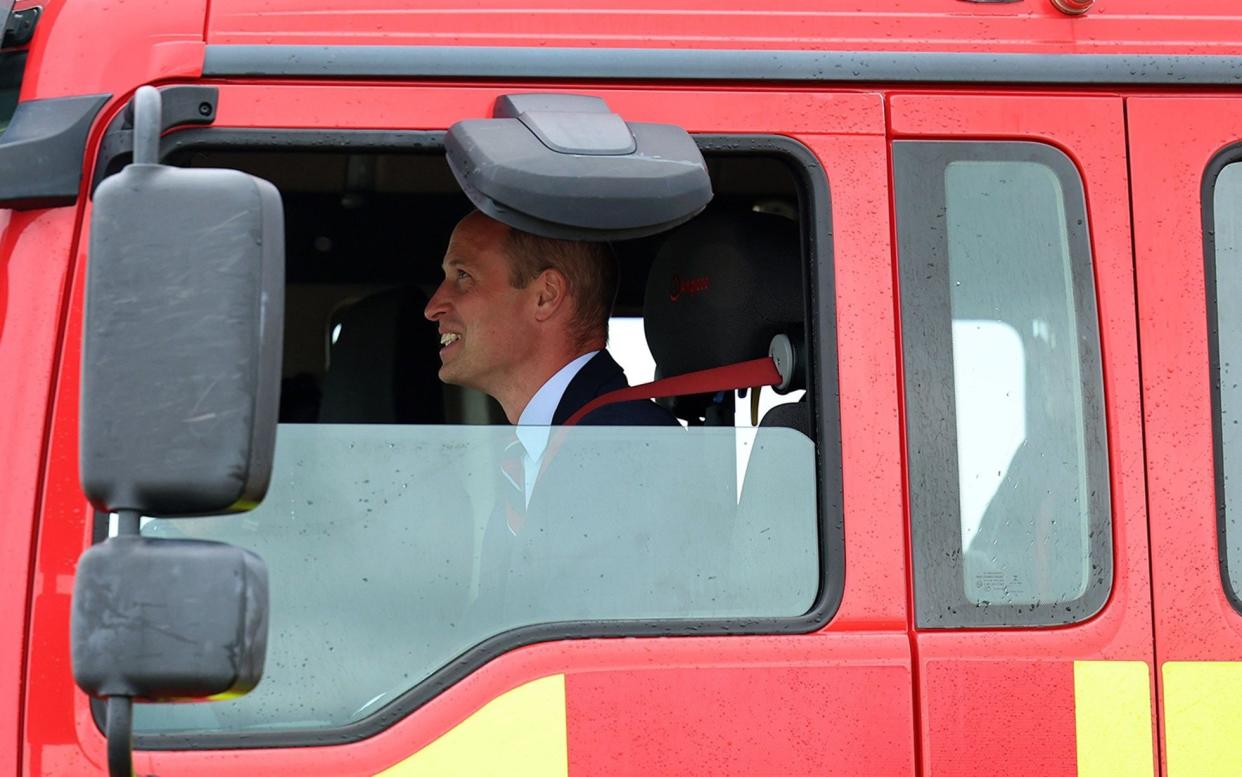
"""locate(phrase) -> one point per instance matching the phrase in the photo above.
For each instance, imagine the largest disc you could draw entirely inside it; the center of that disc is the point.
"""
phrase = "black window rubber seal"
(1228, 155)
(820, 303)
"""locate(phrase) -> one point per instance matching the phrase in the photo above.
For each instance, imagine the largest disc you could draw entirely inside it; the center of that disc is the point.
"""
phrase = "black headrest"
(721, 288)
(384, 363)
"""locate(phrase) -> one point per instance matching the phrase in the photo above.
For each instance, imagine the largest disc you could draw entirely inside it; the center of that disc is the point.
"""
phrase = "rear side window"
(1223, 239)
(1004, 403)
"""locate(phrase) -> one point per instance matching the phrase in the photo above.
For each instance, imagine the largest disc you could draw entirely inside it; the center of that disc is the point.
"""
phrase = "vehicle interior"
(365, 235)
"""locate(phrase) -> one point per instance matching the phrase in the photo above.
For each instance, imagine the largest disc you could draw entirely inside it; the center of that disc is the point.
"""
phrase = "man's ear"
(551, 287)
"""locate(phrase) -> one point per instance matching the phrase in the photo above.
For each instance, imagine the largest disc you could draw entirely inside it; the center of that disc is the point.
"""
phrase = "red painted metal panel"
(1172, 141)
(1150, 26)
(51, 730)
(93, 48)
(685, 661)
(1091, 131)
(33, 276)
(1028, 704)
(866, 645)
(871, 443)
(849, 716)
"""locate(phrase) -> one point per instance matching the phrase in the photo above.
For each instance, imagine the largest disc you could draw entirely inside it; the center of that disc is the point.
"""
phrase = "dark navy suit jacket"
(521, 573)
(597, 377)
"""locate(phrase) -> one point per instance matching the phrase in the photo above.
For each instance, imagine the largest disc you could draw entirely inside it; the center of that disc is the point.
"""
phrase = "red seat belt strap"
(731, 377)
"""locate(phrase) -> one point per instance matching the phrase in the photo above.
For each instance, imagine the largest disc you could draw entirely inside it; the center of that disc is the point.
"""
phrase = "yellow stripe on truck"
(1203, 718)
(521, 732)
(1112, 719)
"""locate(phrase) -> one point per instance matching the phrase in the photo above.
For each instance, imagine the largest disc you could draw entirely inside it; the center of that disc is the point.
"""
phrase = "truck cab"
(979, 522)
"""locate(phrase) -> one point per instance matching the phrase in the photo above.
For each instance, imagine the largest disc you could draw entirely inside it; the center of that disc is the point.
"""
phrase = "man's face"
(486, 326)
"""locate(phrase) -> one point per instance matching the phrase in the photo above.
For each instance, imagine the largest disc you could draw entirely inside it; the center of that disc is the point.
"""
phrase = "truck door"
(1031, 619)
(1187, 192)
(379, 658)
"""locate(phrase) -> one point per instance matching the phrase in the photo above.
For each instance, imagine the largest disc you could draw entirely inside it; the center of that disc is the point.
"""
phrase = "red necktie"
(513, 472)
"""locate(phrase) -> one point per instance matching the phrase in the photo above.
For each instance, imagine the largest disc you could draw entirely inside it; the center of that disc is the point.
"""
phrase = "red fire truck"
(984, 519)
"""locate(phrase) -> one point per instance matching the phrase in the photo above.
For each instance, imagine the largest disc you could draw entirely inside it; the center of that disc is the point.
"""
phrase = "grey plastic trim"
(41, 152)
(629, 64)
(182, 105)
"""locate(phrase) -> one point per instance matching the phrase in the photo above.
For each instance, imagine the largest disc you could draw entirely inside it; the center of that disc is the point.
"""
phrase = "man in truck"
(524, 319)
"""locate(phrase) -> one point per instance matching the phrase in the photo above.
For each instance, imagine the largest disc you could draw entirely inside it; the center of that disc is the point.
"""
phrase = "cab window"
(1223, 238)
(389, 487)
(1003, 387)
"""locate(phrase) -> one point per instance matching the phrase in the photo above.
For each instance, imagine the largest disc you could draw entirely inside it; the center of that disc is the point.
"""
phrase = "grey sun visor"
(566, 166)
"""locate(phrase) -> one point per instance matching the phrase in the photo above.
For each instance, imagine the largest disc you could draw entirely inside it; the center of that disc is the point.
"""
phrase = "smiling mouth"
(448, 339)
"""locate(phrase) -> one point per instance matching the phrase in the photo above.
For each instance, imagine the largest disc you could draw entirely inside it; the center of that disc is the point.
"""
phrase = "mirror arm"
(120, 734)
(128, 523)
(148, 106)
(120, 719)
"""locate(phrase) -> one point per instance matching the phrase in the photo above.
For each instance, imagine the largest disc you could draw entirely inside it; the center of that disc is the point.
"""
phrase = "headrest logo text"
(688, 286)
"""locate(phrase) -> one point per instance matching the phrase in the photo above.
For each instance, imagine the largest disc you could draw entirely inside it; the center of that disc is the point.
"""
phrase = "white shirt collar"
(533, 426)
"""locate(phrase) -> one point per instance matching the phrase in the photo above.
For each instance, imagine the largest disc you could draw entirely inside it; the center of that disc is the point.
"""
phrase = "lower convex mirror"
(169, 620)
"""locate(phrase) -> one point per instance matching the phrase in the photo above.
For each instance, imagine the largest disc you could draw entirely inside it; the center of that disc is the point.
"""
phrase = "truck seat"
(383, 367)
(720, 289)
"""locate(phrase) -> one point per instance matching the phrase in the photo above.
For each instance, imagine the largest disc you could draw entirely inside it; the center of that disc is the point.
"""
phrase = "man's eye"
(462, 275)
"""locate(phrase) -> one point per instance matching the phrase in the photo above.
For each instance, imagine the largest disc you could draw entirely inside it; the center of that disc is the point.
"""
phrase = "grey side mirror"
(180, 393)
(182, 344)
(209, 601)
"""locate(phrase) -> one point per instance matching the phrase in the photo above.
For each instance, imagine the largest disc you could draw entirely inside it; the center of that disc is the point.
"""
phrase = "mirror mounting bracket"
(180, 106)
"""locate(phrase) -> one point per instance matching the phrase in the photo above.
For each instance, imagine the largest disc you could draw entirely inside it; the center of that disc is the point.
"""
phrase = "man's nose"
(436, 306)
